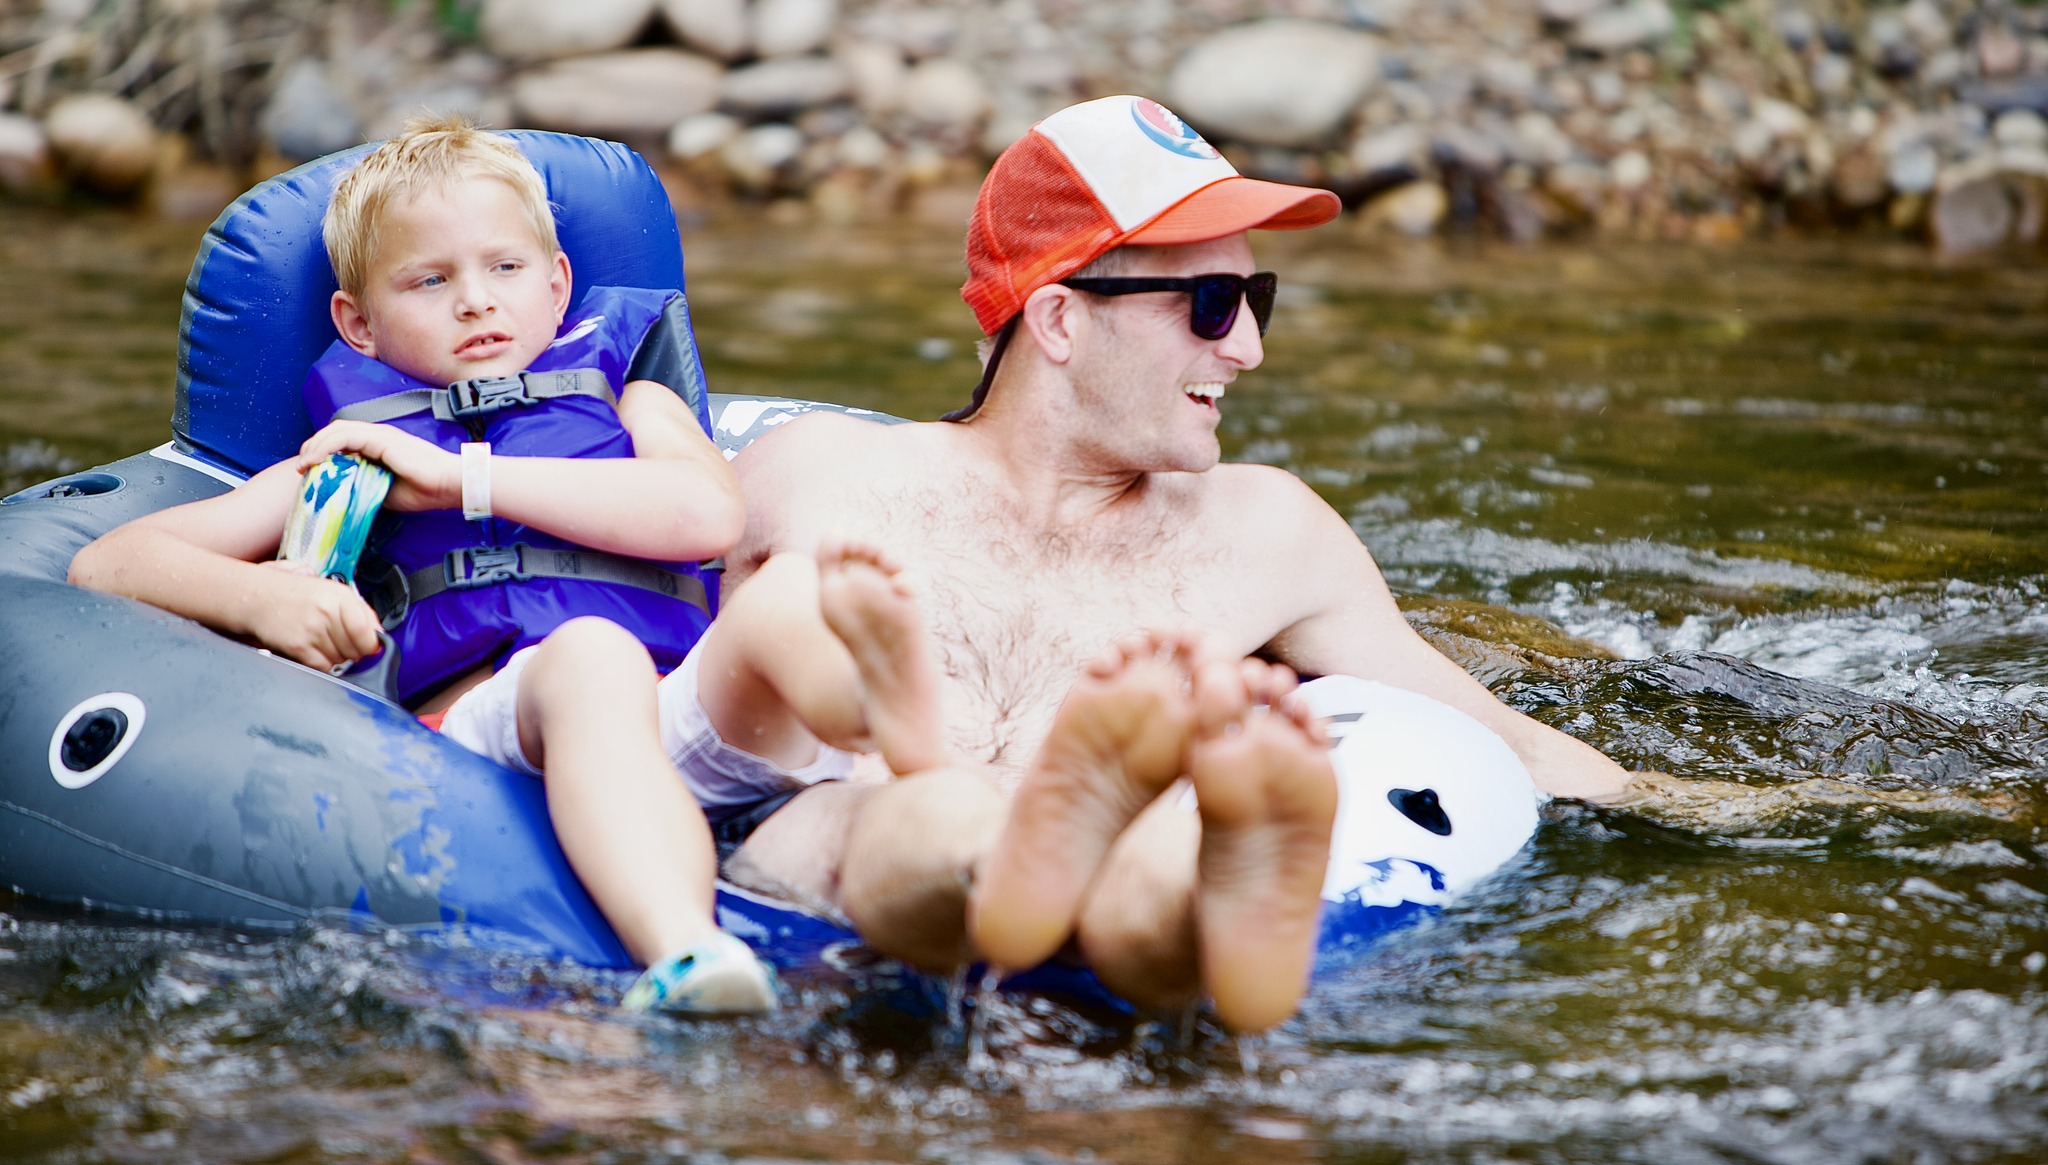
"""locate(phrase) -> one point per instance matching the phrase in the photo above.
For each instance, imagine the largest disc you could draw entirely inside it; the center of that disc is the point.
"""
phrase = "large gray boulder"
(545, 30)
(1276, 82)
(637, 93)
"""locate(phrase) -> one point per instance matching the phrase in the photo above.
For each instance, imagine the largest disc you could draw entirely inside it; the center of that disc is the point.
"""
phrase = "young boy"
(544, 537)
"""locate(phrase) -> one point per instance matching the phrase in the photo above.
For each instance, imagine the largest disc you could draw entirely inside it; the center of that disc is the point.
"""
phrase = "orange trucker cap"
(1102, 174)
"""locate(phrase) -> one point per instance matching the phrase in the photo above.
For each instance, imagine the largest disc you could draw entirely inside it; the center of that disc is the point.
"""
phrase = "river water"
(1767, 519)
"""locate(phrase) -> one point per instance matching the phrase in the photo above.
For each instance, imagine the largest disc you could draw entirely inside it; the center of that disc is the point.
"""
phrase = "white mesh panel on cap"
(1137, 158)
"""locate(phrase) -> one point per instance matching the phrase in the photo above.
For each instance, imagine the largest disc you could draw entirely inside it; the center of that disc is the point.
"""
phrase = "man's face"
(1149, 379)
(460, 287)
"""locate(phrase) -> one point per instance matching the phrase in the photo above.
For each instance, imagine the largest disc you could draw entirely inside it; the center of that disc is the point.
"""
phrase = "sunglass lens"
(1215, 305)
(1259, 291)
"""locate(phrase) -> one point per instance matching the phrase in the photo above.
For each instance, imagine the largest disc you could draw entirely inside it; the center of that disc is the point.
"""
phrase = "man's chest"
(1014, 617)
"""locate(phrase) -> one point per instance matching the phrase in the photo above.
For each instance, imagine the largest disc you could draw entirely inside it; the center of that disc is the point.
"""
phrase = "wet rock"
(755, 157)
(791, 28)
(1912, 168)
(1378, 15)
(1579, 187)
(1510, 79)
(1999, 52)
(1277, 82)
(1616, 30)
(309, 116)
(1720, 100)
(1415, 210)
(636, 93)
(1927, 23)
(1859, 183)
(2007, 93)
(1629, 170)
(945, 93)
(101, 143)
(1605, 88)
(1797, 28)
(1976, 210)
(716, 27)
(699, 135)
(863, 149)
(1833, 76)
(784, 86)
(1569, 12)
(545, 30)
(877, 73)
(1396, 150)
(24, 154)
(2020, 129)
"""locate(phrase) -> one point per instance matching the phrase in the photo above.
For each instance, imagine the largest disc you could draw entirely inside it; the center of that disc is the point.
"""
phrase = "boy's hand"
(424, 475)
(316, 621)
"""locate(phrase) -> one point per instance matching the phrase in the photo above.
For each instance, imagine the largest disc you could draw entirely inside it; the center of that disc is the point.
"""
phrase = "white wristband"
(476, 480)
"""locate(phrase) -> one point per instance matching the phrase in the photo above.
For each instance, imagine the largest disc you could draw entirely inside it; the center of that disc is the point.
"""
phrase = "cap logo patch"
(1160, 124)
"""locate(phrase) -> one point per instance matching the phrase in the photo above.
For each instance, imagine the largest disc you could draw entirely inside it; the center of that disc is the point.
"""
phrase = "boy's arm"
(201, 560)
(675, 499)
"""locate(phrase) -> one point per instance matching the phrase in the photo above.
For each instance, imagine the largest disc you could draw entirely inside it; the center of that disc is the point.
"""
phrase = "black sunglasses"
(1213, 306)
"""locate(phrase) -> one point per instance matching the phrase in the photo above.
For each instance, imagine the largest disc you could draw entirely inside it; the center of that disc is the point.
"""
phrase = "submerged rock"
(1277, 83)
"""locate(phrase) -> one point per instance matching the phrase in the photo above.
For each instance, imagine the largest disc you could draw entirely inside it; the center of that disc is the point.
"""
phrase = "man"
(1074, 504)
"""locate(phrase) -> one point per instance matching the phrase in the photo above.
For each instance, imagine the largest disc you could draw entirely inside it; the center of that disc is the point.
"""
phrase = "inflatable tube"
(153, 768)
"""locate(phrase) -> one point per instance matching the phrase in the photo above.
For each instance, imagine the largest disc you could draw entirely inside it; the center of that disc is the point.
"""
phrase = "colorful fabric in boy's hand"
(338, 499)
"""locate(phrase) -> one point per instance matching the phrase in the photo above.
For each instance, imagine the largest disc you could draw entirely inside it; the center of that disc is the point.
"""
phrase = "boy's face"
(459, 287)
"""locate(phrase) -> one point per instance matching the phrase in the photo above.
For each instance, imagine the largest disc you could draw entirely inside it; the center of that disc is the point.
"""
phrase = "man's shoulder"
(1265, 488)
(826, 438)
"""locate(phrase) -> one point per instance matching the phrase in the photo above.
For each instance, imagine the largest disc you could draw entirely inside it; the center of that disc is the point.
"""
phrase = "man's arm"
(1351, 626)
(675, 499)
(202, 560)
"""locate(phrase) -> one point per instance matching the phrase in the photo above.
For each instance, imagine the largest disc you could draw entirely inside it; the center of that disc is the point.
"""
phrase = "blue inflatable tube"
(153, 768)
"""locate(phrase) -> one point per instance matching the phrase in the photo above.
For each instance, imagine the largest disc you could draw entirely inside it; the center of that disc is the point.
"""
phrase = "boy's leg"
(638, 842)
(828, 648)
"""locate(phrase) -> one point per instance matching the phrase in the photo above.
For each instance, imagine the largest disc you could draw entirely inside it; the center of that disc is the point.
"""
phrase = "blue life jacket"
(450, 633)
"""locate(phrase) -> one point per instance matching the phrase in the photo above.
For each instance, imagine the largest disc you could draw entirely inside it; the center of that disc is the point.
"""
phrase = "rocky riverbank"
(1691, 119)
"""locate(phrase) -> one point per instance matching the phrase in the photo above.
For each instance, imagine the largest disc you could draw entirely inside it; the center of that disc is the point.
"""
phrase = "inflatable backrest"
(256, 314)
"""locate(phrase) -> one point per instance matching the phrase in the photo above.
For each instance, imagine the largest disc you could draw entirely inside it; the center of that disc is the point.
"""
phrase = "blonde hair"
(433, 151)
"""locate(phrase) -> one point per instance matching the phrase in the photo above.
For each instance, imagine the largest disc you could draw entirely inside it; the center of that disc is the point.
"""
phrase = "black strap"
(483, 566)
(469, 400)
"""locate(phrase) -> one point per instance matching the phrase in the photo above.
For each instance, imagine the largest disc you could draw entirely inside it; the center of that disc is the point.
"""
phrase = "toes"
(1221, 698)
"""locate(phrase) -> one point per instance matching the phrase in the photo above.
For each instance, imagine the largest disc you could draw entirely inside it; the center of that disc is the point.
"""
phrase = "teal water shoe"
(720, 977)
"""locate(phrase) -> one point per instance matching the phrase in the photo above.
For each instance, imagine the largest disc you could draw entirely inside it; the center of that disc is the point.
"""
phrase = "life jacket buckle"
(483, 395)
(483, 566)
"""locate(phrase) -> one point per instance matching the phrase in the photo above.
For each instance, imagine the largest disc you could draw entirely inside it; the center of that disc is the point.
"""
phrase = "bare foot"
(1115, 744)
(864, 600)
(1268, 799)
